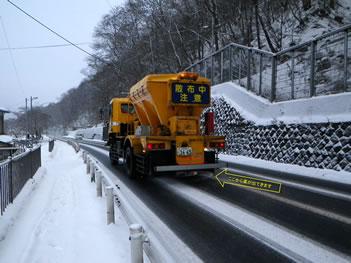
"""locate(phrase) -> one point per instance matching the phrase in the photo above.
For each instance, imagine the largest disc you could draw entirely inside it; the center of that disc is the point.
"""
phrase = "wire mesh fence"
(15, 172)
(317, 67)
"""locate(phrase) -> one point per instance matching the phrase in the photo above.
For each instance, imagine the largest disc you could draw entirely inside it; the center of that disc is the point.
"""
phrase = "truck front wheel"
(130, 162)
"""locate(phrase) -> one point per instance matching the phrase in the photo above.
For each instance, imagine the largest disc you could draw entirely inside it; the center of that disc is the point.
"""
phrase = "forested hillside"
(161, 36)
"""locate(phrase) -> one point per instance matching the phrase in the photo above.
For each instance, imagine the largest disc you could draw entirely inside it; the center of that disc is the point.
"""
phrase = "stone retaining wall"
(319, 145)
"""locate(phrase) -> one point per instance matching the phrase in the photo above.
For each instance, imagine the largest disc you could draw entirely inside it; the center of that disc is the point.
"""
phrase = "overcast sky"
(45, 73)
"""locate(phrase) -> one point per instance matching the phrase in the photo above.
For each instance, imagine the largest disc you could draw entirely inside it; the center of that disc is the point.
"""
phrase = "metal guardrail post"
(293, 75)
(249, 69)
(92, 172)
(313, 64)
(261, 69)
(137, 238)
(9, 171)
(51, 145)
(88, 165)
(239, 69)
(99, 183)
(274, 78)
(230, 64)
(346, 39)
(110, 205)
(39, 157)
(77, 148)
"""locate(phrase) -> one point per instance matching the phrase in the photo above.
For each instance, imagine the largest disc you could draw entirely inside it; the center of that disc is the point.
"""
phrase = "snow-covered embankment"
(57, 217)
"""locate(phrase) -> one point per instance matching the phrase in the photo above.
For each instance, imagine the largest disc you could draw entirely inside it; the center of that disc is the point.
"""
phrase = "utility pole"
(31, 108)
(31, 101)
(26, 117)
(31, 111)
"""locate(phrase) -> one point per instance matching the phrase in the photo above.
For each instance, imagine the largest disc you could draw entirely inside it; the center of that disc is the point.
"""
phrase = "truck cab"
(122, 116)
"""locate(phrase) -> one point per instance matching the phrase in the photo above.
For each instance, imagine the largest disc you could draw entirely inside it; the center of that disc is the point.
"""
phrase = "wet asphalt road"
(215, 240)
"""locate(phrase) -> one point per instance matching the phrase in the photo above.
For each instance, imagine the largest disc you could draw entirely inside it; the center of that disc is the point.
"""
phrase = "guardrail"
(141, 237)
(15, 172)
(74, 145)
(51, 145)
(137, 236)
(316, 67)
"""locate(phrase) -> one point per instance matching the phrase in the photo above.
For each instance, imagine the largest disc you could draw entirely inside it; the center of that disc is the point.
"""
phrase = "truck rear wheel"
(113, 159)
(130, 162)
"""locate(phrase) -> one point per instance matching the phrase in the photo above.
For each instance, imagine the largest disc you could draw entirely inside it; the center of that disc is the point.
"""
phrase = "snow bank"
(322, 109)
(71, 134)
(58, 218)
(6, 138)
(90, 133)
(4, 109)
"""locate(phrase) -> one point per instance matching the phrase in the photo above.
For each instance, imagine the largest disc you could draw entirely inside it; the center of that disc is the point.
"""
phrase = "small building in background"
(2, 123)
(6, 141)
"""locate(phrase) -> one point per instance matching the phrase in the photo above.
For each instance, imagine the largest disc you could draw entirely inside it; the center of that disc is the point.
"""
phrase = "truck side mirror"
(101, 111)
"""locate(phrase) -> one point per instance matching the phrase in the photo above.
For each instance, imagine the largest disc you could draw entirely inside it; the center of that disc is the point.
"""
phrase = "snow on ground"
(94, 133)
(58, 218)
(4, 109)
(322, 109)
(6, 138)
(71, 134)
(321, 174)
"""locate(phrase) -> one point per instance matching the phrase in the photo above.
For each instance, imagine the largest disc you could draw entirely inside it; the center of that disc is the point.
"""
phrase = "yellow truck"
(157, 128)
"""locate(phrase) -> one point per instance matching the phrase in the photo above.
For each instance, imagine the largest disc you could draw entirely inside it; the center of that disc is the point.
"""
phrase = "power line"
(45, 46)
(60, 36)
(12, 59)
(109, 3)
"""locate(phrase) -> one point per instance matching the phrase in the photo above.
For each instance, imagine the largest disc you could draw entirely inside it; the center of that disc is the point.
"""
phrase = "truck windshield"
(124, 108)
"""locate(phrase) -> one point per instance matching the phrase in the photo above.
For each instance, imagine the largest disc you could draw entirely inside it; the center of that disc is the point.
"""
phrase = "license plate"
(184, 151)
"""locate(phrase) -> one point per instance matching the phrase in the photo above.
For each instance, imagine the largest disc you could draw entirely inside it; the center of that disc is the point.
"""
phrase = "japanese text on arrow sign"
(244, 181)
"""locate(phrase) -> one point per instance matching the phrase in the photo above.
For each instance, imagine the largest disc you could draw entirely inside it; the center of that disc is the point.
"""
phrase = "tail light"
(217, 144)
(154, 146)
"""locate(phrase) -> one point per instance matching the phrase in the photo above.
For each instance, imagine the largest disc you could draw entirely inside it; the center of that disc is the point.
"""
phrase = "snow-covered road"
(58, 218)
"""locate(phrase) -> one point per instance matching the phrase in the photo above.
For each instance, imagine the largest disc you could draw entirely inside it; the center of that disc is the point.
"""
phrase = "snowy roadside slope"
(321, 109)
(58, 218)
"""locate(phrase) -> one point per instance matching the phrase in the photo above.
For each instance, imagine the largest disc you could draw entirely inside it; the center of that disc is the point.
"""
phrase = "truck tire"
(130, 163)
(113, 161)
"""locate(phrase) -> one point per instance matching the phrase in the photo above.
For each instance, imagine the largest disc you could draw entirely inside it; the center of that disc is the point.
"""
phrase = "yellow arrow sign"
(244, 181)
